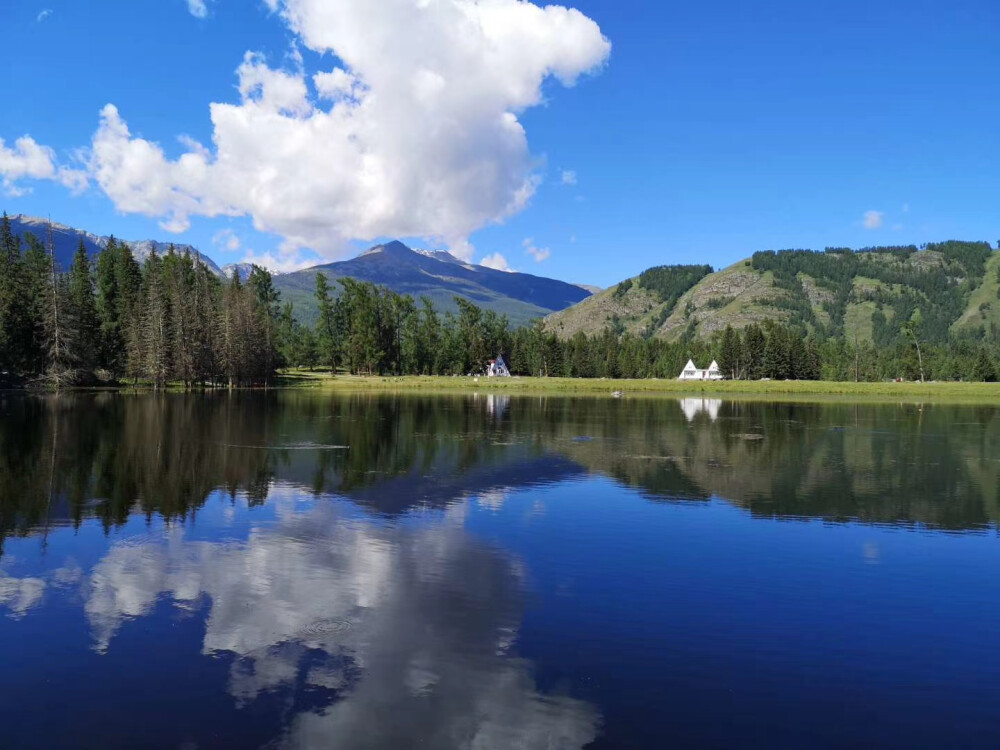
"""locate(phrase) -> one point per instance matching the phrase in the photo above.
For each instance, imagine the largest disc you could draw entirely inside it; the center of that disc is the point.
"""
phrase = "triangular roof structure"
(690, 365)
(714, 367)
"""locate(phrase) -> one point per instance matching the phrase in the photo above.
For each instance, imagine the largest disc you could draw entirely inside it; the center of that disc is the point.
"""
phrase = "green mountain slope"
(865, 295)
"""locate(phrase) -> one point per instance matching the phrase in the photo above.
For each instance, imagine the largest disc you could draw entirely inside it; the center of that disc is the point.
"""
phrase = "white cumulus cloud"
(415, 132)
(27, 159)
(873, 219)
(497, 262)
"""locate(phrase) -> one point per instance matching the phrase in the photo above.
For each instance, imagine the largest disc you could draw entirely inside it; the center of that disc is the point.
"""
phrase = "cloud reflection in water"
(405, 628)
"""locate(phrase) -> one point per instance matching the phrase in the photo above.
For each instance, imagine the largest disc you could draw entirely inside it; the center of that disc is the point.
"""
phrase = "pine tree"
(179, 279)
(753, 351)
(36, 280)
(776, 363)
(798, 365)
(111, 344)
(156, 333)
(326, 326)
(17, 334)
(429, 338)
(58, 324)
(83, 310)
(119, 309)
(984, 370)
(730, 354)
(267, 308)
(206, 301)
(10, 256)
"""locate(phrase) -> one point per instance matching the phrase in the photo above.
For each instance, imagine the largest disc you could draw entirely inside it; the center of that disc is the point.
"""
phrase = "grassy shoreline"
(774, 390)
(986, 393)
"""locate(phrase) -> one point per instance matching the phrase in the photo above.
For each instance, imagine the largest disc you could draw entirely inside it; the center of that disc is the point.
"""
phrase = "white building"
(690, 372)
(497, 368)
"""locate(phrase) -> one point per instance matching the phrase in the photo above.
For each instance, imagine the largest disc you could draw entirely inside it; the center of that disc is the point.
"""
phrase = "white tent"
(690, 372)
(498, 368)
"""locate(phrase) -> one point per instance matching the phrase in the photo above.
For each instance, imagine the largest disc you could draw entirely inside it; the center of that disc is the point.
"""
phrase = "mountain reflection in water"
(320, 571)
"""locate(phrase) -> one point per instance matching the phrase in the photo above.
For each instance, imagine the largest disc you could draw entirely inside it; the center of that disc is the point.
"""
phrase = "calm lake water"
(304, 570)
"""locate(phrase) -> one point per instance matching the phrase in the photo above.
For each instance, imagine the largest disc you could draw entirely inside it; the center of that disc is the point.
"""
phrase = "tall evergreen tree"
(267, 309)
(731, 354)
(753, 351)
(83, 311)
(58, 324)
(157, 319)
(984, 370)
(17, 332)
(326, 327)
(776, 361)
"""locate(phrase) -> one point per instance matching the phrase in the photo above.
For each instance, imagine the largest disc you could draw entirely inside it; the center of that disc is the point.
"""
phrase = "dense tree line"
(172, 320)
(169, 320)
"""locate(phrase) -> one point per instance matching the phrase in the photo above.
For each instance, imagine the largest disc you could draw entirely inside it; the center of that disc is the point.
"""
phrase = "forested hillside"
(868, 295)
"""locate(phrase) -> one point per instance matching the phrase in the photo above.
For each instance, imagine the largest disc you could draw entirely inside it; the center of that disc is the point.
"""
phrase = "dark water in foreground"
(303, 570)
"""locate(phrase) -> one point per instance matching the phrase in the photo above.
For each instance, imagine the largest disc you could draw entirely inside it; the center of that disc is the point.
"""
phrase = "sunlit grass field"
(972, 392)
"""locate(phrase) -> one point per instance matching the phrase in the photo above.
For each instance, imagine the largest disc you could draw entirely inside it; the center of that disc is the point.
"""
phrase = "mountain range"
(437, 275)
(65, 241)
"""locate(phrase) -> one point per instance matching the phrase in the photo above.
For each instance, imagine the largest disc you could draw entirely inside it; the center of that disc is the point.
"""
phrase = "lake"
(301, 569)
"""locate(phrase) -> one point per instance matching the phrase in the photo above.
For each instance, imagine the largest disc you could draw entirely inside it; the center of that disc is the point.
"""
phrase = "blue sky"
(710, 131)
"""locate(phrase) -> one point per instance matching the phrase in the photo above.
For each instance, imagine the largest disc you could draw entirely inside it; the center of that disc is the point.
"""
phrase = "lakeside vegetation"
(173, 322)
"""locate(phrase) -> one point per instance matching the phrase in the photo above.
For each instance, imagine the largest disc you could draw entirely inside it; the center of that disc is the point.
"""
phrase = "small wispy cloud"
(43, 15)
(873, 219)
(906, 208)
(198, 8)
(226, 238)
(497, 262)
(568, 177)
(538, 253)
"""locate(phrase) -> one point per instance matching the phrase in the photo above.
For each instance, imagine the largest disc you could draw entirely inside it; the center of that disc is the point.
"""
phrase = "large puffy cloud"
(414, 133)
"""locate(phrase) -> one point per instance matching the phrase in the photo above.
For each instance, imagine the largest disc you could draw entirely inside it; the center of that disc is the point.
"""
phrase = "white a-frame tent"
(498, 368)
